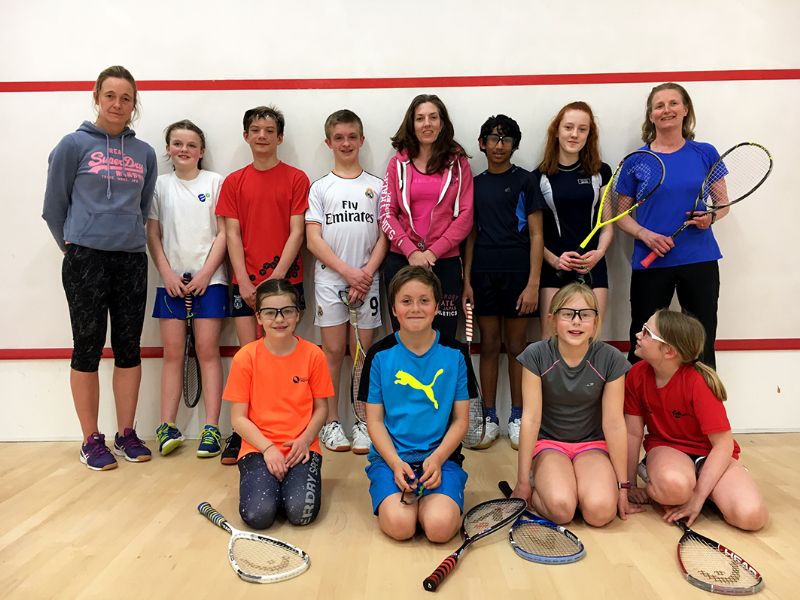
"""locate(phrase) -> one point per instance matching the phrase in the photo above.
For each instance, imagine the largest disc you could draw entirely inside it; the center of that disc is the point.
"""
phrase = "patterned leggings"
(99, 283)
(261, 495)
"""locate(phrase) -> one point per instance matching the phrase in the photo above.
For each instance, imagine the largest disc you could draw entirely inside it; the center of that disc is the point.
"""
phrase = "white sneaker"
(332, 435)
(513, 433)
(361, 441)
(491, 432)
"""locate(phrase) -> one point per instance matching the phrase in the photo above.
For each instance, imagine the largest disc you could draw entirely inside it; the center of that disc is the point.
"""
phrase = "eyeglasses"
(270, 314)
(647, 332)
(569, 314)
(493, 139)
(413, 496)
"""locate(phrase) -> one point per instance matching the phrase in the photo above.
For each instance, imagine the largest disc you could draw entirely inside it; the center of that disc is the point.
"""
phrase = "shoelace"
(131, 441)
(209, 436)
(98, 446)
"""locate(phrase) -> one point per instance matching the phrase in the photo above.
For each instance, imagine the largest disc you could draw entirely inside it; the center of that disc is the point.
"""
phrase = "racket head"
(261, 559)
(636, 178)
(192, 383)
(476, 427)
(739, 172)
(712, 567)
(487, 517)
(541, 541)
(359, 407)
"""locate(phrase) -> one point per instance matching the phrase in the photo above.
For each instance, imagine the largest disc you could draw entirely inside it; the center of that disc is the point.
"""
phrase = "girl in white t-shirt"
(187, 244)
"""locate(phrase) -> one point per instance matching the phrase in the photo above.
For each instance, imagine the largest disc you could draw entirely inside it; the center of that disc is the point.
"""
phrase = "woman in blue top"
(690, 265)
(100, 185)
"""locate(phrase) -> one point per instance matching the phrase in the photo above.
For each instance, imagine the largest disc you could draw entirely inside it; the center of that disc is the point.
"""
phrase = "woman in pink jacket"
(426, 203)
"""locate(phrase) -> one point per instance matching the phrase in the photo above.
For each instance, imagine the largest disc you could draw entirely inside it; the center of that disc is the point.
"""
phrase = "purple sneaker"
(130, 446)
(96, 455)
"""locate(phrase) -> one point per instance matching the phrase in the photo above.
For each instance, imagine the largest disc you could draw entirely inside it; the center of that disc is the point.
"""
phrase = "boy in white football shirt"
(343, 233)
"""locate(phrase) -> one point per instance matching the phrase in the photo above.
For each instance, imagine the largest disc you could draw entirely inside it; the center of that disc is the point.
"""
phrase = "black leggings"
(99, 284)
(261, 495)
(697, 286)
(450, 273)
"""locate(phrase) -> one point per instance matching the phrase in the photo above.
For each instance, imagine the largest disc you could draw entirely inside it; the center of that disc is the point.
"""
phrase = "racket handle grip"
(435, 579)
(648, 260)
(210, 513)
(468, 322)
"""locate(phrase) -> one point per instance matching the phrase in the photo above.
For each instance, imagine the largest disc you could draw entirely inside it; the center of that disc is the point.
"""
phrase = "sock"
(516, 413)
(491, 413)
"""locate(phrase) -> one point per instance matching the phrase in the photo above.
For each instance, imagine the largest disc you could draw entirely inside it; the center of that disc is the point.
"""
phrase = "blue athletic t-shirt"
(503, 202)
(667, 209)
(417, 392)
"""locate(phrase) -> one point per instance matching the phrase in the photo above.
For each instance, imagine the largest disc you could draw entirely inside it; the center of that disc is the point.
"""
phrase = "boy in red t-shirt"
(264, 206)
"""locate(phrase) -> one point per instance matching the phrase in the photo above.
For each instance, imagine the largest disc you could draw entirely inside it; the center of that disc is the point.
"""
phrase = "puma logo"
(408, 379)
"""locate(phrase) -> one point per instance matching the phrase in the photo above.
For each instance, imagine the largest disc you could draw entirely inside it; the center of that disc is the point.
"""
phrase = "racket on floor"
(539, 540)
(192, 382)
(477, 414)
(713, 567)
(636, 178)
(258, 558)
(480, 521)
(735, 176)
(359, 406)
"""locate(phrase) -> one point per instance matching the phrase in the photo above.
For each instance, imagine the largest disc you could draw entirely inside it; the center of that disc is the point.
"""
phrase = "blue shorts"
(211, 305)
(382, 485)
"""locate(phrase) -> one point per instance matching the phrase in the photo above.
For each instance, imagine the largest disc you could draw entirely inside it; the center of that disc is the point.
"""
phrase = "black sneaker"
(232, 446)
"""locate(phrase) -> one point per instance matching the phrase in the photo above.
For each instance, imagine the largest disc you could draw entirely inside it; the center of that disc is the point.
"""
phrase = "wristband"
(267, 448)
(624, 485)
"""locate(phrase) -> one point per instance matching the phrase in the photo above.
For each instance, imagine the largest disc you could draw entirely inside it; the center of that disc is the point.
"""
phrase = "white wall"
(201, 40)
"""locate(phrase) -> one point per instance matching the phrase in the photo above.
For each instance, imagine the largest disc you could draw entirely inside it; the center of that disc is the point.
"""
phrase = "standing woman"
(426, 203)
(570, 177)
(690, 266)
(100, 184)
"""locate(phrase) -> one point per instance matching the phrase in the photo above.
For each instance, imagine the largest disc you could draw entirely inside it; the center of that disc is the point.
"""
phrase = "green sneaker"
(210, 439)
(169, 438)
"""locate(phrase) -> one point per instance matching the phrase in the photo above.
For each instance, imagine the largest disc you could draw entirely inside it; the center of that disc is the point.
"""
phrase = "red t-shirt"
(280, 390)
(263, 202)
(679, 415)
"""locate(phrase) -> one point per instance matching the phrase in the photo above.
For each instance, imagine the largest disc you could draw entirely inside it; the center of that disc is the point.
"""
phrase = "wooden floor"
(135, 532)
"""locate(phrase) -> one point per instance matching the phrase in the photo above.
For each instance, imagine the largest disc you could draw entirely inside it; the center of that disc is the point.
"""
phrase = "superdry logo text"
(124, 168)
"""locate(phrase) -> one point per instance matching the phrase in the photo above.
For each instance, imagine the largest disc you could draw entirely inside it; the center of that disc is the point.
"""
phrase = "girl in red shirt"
(691, 455)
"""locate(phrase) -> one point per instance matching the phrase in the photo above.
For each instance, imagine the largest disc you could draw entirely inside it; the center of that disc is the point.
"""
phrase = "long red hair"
(589, 155)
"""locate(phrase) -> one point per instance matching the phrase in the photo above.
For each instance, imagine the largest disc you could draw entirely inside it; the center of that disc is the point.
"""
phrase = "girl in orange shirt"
(278, 387)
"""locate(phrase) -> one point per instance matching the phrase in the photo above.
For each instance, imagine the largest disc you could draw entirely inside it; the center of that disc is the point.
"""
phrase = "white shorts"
(331, 311)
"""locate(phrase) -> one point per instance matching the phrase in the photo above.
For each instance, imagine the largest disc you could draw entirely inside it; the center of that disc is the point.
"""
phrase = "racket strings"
(705, 562)
(535, 538)
(486, 517)
(635, 180)
(739, 172)
(359, 407)
(262, 558)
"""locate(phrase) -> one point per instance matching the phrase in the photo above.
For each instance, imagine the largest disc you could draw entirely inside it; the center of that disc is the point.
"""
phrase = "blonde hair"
(649, 128)
(585, 293)
(687, 336)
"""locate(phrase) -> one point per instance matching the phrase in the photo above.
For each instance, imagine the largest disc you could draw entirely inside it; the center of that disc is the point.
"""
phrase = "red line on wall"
(167, 85)
(747, 345)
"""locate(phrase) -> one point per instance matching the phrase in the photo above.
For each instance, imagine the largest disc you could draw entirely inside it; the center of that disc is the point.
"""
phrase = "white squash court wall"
(202, 40)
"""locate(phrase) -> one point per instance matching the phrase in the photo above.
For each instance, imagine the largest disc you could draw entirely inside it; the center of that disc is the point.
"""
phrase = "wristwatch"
(624, 485)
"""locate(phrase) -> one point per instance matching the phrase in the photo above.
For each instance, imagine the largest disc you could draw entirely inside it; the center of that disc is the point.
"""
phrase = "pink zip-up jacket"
(451, 220)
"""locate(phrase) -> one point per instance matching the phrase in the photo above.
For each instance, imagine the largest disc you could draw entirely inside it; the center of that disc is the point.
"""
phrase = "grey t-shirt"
(572, 408)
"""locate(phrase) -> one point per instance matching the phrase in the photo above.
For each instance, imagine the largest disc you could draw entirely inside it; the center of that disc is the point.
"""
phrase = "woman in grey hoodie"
(100, 184)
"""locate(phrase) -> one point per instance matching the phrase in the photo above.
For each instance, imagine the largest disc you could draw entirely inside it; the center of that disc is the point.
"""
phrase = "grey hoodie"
(99, 189)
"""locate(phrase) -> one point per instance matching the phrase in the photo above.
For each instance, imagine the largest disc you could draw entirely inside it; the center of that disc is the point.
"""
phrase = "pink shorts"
(570, 449)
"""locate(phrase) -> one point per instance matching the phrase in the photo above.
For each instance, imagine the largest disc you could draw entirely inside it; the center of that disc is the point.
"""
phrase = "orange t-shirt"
(280, 390)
